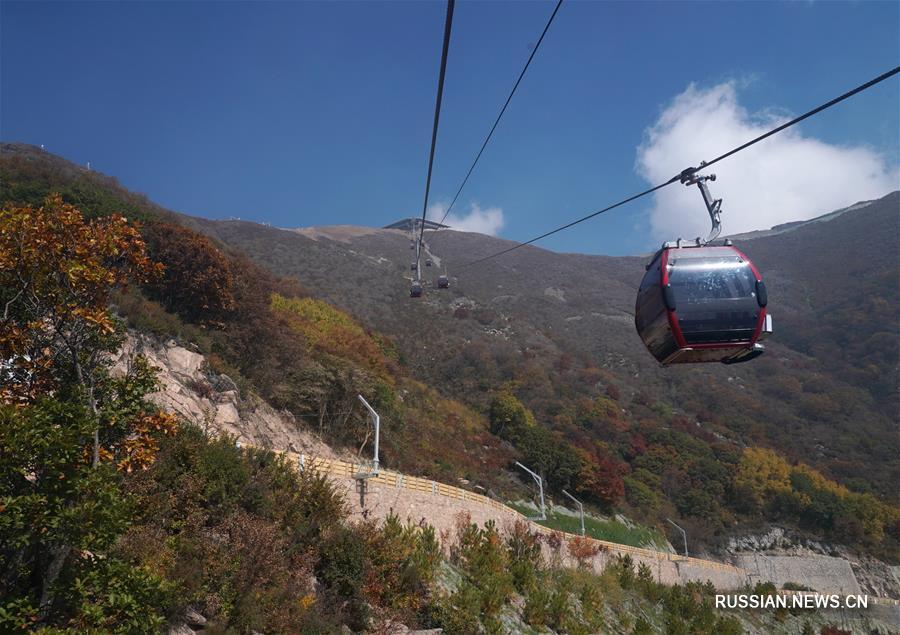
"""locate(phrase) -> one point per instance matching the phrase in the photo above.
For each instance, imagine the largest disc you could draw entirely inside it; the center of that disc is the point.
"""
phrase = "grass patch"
(601, 529)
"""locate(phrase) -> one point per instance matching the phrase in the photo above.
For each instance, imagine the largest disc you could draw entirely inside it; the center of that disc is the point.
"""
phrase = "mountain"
(805, 435)
(824, 393)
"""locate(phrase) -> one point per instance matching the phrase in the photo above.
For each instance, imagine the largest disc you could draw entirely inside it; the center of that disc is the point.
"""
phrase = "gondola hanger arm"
(691, 176)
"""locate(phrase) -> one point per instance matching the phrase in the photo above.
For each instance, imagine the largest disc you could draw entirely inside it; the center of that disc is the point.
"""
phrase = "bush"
(480, 555)
(583, 551)
(197, 283)
(523, 548)
(237, 532)
(116, 597)
(623, 567)
(537, 605)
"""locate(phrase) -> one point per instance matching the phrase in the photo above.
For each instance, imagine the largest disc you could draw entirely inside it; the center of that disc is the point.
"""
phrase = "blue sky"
(310, 113)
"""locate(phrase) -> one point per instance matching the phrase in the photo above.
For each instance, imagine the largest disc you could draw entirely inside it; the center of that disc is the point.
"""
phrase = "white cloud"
(786, 177)
(483, 221)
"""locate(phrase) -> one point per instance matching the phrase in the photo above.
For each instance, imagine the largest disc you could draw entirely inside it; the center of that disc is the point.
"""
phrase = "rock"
(227, 414)
(182, 373)
(180, 629)
(229, 395)
(193, 617)
(773, 539)
(183, 361)
(224, 383)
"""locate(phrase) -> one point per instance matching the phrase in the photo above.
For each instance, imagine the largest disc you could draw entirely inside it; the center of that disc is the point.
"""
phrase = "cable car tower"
(416, 289)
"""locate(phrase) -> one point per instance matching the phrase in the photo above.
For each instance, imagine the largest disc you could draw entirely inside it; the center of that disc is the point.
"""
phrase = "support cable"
(500, 116)
(448, 23)
(686, 174)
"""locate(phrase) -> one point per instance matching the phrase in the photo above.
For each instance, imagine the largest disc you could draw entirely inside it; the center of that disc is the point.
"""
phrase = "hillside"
(824, 394)
(546, 341)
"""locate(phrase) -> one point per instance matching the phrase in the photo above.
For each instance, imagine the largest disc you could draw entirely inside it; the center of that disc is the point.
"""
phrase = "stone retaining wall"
(822, 573)
(439, 505)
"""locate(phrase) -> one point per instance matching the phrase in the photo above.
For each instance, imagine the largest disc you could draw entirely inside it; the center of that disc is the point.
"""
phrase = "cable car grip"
(690, 177)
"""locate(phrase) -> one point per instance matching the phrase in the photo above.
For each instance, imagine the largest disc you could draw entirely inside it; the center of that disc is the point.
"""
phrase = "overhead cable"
(703, 165)
(502, 110)
(448, 22)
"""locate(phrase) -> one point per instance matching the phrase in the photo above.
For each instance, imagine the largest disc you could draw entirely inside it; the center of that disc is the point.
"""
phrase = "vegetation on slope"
(651, 449)
(610, 530)
(554, 330)
(114, 519)
(271, 338)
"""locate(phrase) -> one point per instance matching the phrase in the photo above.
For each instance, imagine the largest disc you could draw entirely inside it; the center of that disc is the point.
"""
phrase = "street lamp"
(683, 535)
(376, 421)
(580, 509)
(540, 483)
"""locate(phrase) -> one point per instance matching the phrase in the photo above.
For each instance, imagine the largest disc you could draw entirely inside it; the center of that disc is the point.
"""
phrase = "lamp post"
(683, 535)
(580, 509)
(376, 421)
(540, 483)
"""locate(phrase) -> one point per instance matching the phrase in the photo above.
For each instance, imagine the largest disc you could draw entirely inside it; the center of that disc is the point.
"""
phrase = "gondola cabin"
(443, 282)
(702, 302)
(428, 262)
(415, 290)
(413, 265)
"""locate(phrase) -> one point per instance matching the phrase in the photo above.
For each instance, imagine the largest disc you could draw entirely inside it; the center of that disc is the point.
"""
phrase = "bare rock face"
(191, 390)
(876, 577)
(193, 618)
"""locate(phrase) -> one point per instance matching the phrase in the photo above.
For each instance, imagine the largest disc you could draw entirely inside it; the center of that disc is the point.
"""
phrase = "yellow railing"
(389, 478)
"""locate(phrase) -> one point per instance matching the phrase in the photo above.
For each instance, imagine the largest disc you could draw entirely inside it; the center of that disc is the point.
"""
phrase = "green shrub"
(116, 597)
(401, 561)
(457, 613)
(623, 566)
(523, 548)
(537, 605)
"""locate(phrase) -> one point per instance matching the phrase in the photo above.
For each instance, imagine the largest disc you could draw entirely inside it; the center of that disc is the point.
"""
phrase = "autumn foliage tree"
(56, 276)
(198, 281)
(766, 482)
(68, 428)
(600, 477)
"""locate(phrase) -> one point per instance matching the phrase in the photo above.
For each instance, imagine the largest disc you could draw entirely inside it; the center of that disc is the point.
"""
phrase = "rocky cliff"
(190, 389)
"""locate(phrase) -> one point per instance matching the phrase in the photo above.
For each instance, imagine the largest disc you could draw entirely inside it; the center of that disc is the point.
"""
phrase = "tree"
(61, 515)
(523, 549)
(56, 276)
(761, 474)
(601, 477)
(66, 426)
(198, 282)
(508, 415)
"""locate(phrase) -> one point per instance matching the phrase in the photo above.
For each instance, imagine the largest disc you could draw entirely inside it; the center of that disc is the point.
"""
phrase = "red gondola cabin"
(702, 303)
